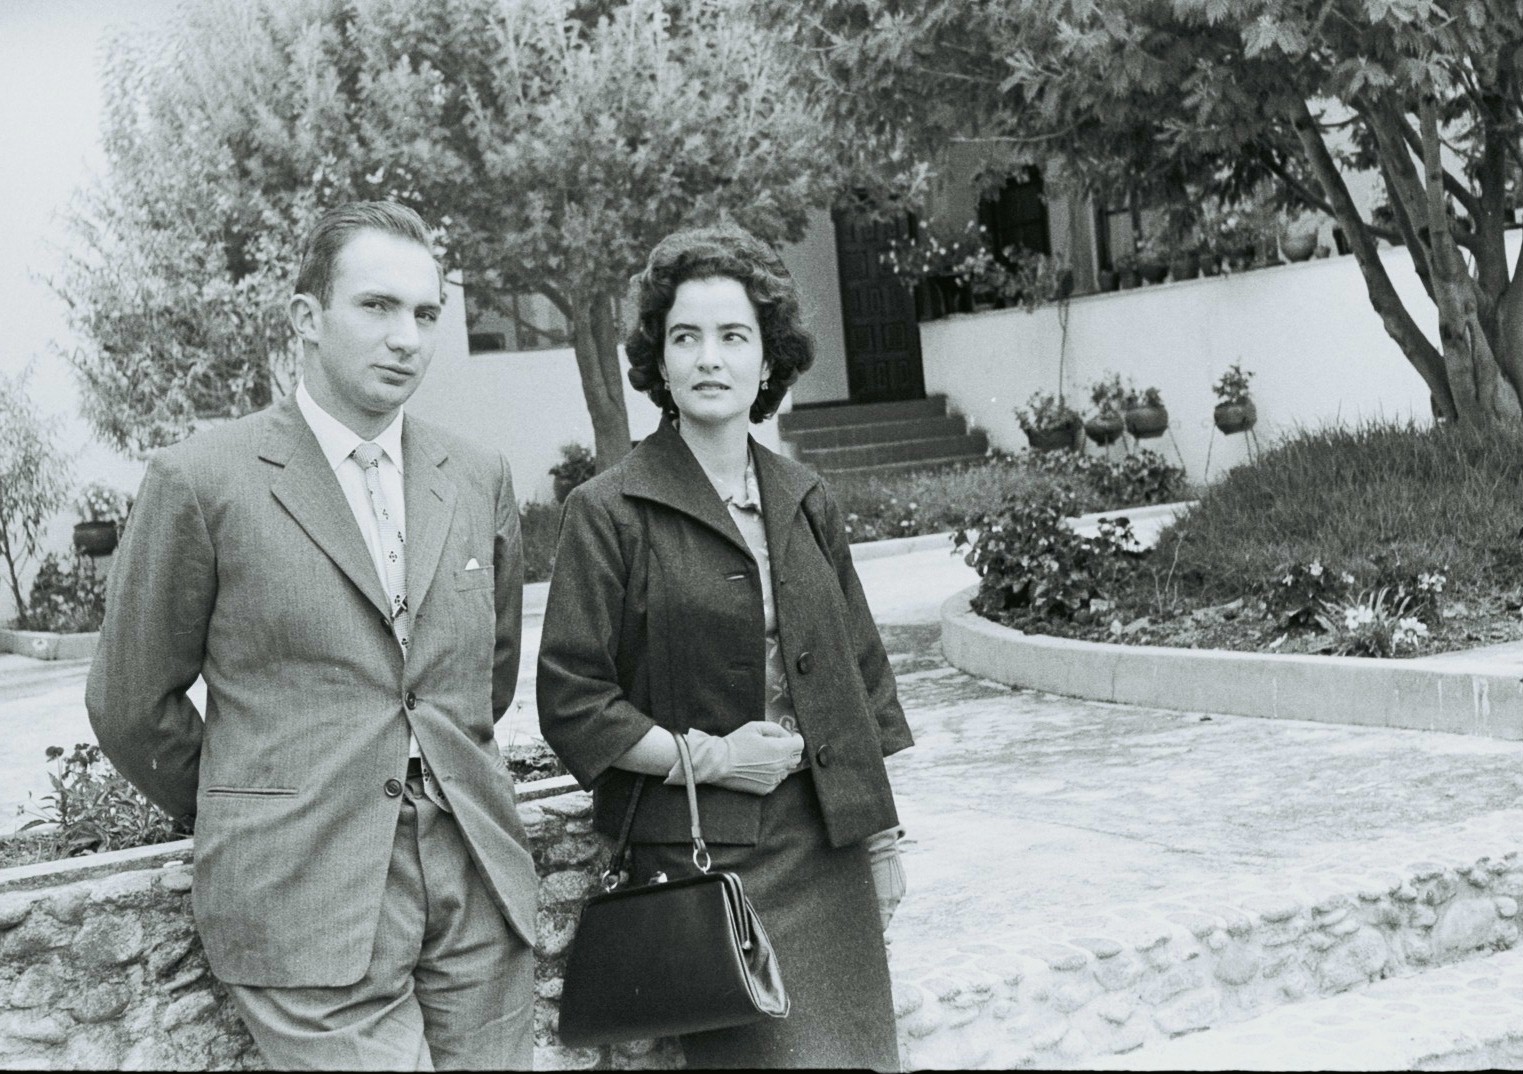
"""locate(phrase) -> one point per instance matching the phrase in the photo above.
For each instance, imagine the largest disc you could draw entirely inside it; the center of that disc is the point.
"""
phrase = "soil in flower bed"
(1243, 625)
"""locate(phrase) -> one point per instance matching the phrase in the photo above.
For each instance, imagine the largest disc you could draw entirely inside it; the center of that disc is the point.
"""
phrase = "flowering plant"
(1133, 398)
(1377, 624)
(1232, 388)
(1046, 411)
(98, 502)
(1108, 394)
(936, 252)
(1298, 596)
(1036, 278)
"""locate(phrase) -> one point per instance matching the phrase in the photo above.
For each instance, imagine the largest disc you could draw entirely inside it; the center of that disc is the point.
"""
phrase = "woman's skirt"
(820, 911)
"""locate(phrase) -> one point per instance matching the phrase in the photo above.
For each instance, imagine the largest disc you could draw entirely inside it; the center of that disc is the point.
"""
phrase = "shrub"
(34, 481)
(93, 807)
(541, 525)
(577, 465)
(68, 595)
(1030, 562)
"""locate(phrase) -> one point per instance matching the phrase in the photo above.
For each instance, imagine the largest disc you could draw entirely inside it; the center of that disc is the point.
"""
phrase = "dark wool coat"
(655, 618)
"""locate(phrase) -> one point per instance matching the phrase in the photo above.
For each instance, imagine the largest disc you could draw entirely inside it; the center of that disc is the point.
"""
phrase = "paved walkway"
(1031, 816)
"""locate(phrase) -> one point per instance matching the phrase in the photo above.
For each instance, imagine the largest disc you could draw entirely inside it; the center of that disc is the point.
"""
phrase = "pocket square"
(472, 565)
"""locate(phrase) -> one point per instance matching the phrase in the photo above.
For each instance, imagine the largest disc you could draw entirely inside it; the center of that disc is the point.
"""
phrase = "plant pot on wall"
(1299, 247)
(1153, 271)
(1104, 429)
(956, 296)
(1106, 280)
(1065, 437)
(95, 538)
(1185, 266)
(927, 301)
(1146, 422)
(1235, 417)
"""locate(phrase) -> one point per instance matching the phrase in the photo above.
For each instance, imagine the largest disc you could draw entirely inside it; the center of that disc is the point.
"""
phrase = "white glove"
(754, 758)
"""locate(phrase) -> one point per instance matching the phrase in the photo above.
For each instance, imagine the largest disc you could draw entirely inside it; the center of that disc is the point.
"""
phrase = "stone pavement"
(1051, 832)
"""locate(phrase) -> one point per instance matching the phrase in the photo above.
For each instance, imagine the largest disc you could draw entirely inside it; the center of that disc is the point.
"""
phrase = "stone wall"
(100, 966)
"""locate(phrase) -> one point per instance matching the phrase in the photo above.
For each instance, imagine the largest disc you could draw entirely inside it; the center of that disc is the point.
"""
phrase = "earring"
(666, 384)
(765, 382)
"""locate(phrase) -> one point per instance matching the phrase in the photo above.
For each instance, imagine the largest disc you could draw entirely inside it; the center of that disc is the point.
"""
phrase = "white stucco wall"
(814, 268)
(1307, 331)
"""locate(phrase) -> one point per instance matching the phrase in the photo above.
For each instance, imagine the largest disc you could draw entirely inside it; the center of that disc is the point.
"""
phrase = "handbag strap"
(685, 755)
(615, 865)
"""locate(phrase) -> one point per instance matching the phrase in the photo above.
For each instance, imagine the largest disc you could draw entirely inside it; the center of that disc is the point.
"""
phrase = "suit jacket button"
(412, 700)
(822, 756)
(805, 663)
(393, 787)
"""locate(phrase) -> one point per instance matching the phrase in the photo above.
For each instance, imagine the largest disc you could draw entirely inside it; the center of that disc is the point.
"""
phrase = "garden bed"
(1380, 540)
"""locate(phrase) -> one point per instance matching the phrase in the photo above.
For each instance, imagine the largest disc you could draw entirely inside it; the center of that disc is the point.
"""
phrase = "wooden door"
(877, 311)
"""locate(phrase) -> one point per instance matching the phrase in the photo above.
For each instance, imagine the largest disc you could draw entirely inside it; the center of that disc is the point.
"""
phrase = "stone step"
(823, 417)
(1460, 1017)
(941, 447)
(878, 432)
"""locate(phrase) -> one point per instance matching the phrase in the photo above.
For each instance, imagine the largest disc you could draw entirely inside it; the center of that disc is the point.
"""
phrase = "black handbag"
(670, 956)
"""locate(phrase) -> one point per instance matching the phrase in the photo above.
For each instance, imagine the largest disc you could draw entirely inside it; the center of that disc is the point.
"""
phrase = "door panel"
(881, 336)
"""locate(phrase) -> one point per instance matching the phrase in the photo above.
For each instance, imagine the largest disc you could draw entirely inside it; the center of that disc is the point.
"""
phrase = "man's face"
(367, 350)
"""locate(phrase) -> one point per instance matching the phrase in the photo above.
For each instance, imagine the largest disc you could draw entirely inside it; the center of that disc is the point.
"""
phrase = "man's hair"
(726, 251)
(338, 225)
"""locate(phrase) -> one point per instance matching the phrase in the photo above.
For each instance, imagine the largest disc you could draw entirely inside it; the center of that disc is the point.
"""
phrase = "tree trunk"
(13, 580)
(595, 338)
(1425, 358)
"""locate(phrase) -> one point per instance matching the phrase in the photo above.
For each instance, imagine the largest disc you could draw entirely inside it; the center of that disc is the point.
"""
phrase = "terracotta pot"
(1185, 266)
(1146, 422)
(1104, 429)
(927, 301)
(1153, 271)
(1299, 247)
(1210, 265)
(95, 538)
(956, 297)
(1129, 279)
(1056, 437)
(1235, 417)
(1106, 280)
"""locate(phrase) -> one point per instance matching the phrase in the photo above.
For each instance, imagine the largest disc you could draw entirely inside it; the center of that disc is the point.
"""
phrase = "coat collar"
(308, 488)
(664, 470)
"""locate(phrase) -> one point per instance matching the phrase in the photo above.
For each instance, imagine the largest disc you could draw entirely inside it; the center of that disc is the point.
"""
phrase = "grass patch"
(1438, 499)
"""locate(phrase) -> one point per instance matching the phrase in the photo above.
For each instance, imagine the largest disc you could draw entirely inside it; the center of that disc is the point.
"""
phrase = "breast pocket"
(476, 578)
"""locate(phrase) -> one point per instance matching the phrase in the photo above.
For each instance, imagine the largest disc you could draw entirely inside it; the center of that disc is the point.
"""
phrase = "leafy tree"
(35, 478)
(553, 142)
(1215, 97)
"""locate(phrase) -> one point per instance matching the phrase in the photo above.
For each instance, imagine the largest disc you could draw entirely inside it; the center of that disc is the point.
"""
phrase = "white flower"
(1315, 569)
(1346, 578)
(1288, 580)
(1357, 616)
(1414, 626)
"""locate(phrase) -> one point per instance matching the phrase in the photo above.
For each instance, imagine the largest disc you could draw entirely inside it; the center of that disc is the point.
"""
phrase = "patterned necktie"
(395, 560)
(392, 555)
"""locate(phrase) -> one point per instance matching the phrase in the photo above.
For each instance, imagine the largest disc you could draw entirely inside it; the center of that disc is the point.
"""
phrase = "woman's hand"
(888, 872)
(754, 758)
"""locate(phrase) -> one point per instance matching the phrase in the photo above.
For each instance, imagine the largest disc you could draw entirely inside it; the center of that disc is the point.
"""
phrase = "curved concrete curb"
(1326, 689)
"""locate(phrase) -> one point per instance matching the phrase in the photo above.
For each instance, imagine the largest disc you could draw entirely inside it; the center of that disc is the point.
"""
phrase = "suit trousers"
(449, 986)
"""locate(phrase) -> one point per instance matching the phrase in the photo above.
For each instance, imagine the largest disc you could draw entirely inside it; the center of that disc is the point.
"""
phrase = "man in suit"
(349, 584)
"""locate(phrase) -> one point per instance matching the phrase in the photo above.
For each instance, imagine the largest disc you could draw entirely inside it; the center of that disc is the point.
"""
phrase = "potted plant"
(577, 465)
(1106, 425)
(1152, 260)
(102, 510)
(1298, 243)
(1107, 280)
(1049, 423)
(1144, 413)
(1235, 412)
(1126, 271)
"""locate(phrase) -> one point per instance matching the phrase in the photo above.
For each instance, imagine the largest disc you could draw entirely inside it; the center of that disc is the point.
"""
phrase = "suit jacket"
(654, 617)
(242, 563)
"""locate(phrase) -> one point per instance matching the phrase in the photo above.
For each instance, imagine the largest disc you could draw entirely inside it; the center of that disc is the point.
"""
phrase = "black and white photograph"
(882, 535)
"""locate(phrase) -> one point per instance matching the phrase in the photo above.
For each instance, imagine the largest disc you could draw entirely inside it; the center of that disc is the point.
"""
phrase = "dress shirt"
(338, 442)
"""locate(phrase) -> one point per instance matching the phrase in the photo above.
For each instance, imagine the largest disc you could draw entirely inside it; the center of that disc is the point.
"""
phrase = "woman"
(704, 586)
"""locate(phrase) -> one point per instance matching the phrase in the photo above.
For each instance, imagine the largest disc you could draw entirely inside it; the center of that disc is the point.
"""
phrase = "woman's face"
(712, 352)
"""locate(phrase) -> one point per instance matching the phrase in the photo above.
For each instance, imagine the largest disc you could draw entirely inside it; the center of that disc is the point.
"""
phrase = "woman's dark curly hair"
(722, 252)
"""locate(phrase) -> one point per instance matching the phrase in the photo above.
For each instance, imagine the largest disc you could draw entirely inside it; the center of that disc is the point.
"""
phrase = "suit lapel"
(430, 508)
(306, 486)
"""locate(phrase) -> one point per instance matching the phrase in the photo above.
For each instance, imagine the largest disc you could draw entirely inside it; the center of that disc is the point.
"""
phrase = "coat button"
(412, 700)
(822, 756)
(805, 663)
(393, 787)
